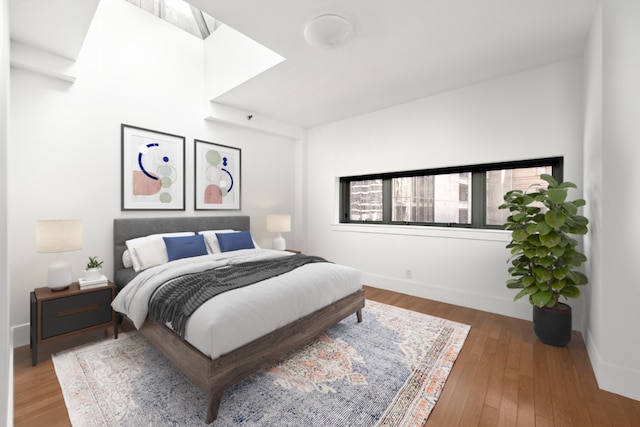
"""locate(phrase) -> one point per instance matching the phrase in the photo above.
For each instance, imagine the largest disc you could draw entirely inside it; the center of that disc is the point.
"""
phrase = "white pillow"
(150, 250)
(126, 259)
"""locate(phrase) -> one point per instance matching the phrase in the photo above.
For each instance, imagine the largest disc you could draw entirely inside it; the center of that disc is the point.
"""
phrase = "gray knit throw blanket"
(178, 298)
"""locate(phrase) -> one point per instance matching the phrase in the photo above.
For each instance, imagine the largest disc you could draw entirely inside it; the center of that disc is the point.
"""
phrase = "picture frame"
(217, 182)
(152, 169)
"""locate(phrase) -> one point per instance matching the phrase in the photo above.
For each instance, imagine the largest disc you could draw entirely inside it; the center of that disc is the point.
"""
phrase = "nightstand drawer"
(75, 312)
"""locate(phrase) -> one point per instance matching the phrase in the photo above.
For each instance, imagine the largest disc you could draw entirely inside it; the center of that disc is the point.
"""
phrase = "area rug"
(386, 371)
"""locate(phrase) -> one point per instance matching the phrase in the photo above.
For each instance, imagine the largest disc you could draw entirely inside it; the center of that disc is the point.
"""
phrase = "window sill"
(426, 231)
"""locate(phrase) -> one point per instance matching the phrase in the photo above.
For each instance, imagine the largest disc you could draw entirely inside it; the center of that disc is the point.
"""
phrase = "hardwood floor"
(505, 377)
(502, 377)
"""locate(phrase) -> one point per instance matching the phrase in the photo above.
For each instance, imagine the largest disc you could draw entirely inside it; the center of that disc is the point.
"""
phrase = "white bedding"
(238, 317)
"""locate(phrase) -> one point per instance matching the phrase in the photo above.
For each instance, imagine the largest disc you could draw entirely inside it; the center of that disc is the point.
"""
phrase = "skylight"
(181, 14)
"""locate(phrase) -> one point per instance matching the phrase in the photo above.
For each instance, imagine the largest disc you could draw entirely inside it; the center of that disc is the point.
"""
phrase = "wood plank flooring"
(502, 377)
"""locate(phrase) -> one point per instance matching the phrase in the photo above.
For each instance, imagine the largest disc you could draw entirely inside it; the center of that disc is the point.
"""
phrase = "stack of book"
(94, 283)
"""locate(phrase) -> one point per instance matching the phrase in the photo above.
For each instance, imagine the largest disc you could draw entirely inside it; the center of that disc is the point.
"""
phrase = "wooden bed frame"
(213, 376)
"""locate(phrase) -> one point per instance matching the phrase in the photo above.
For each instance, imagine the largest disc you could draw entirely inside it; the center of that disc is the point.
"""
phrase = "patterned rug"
(386, 371)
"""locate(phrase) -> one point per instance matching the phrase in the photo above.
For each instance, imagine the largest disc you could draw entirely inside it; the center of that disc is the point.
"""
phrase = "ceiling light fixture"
(328, 31)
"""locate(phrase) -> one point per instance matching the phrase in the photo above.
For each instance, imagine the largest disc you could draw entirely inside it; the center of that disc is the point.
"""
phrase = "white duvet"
(237, 317)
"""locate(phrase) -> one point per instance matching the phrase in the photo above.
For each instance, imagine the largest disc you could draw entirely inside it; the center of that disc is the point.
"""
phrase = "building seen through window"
(501, 181)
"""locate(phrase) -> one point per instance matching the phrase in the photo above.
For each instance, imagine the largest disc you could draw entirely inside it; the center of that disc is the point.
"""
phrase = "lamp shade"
(278, 223)
(58, 235)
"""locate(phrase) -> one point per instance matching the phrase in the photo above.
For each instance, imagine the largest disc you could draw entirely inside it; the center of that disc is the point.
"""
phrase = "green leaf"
(542, 286)
(519, 235)
(580, 220)
(553, 301)
(577, 278)
(518, 217)
(579, 230)
(533, 210)
(514, 284)
(545, 262)
(557, 251)
(561, 272)
(528, 281)
(542, 274)
(568, 184)
(570, 292)
(558, 285)
(534, 240)
(555, 219)
(570, 208)
(579, 202)
(542, 251)
(550, 240)
(551, 180)
(520, 294)
(577, 259)
(530, 253)
(541, 299)
(557, 195)
(543, 228)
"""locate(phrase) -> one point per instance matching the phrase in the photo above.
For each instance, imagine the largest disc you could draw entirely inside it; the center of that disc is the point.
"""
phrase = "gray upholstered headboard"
(130, 228)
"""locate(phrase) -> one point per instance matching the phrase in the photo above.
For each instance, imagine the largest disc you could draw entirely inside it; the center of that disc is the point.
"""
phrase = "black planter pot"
(553, 325)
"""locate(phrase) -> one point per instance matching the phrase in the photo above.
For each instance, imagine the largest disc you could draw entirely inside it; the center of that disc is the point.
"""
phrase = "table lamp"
(278, 223)
(59, 236)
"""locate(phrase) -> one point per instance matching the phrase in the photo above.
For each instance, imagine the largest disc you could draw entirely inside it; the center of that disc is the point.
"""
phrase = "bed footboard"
(214, 376)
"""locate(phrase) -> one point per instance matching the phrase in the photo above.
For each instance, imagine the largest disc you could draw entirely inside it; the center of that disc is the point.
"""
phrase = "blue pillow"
(235, 241)
(185, 246)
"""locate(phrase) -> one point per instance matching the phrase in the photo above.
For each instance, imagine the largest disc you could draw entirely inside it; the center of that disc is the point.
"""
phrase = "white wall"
(614, 347)
(65, 142)
(593, 189)
(533, 114)
(6, 352)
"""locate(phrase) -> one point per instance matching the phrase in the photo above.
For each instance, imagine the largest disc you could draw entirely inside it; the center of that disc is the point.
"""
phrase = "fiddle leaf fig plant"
(544, 256)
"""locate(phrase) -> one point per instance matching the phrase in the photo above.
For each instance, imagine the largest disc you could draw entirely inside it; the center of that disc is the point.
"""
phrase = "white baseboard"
(21, 335)
(503, 306)
(616, 379)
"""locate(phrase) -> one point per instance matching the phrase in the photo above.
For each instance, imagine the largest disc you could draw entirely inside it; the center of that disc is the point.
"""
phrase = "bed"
(276, 315)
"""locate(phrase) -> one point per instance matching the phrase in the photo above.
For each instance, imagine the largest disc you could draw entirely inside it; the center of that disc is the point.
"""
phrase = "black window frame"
(478, 190)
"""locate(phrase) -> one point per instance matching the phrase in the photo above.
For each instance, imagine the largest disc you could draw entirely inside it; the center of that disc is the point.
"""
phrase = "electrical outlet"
(408, 273)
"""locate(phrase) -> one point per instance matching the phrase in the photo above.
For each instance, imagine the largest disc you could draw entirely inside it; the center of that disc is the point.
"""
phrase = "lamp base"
(59, 276)
(279, 243)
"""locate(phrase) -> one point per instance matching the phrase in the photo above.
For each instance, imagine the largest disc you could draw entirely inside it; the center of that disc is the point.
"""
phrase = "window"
(181, 14)
(503, 180)
(442, 198)
(365, 200)
(466, 196)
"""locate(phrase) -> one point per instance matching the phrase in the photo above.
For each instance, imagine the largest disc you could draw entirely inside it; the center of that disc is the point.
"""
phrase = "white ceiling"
(402, 50)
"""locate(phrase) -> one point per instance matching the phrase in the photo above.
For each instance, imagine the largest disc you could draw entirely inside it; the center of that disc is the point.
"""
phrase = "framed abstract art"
(217, 176)
(152, 170)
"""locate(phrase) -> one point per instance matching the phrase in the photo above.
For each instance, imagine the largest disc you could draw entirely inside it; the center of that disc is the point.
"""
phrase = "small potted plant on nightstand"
(94, 269)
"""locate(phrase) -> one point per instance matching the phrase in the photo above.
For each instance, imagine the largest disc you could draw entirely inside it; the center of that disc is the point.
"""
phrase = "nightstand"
(59, 314)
